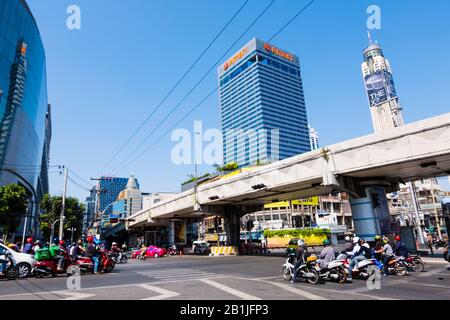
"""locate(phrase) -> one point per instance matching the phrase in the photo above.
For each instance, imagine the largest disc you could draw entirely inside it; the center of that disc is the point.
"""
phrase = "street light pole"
(61, 225)
(24, 228)
(53, 227)
(72, 229)
(412, 189)
(196, 204)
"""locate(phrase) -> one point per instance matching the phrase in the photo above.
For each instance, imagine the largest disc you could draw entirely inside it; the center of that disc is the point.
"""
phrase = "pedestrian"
(430, 242)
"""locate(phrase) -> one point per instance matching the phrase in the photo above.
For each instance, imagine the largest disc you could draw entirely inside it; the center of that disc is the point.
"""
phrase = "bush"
(297, 233)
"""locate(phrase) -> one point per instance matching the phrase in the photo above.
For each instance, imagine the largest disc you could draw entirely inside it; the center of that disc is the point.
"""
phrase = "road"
(224, 278)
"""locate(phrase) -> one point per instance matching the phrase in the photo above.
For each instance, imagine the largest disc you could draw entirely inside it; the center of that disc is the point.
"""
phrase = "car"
(203, 242)
(202, 249)
(24, 261)
(155, 252)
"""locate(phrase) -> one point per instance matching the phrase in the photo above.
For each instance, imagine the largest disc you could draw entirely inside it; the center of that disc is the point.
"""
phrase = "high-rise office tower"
(109, 189)
(262, 105)
(385, 108)
(25, 117)
(313, 138)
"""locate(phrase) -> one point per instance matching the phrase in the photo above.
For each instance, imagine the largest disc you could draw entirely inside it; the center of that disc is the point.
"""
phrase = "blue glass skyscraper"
(109, 191)
(262, 105)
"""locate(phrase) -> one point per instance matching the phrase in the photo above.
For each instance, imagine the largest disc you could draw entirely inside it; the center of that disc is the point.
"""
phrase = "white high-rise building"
(385, 109)
(313, 138)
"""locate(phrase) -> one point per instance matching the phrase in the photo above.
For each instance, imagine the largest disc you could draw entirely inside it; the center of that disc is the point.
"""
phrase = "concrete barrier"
(224, 251)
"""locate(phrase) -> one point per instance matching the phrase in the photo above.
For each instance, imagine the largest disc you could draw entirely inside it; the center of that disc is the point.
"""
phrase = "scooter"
(121, 258)
(105, 264)
(335, 271)
(364, 267)
(11, 271)
(173, 250)
(307, 271)
(50, 267)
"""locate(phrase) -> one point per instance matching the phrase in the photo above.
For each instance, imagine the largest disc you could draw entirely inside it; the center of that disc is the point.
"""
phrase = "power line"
(175, 86)
(168, 131)
(78, 185)
(200, 81)
(81, 179)
(303, 9)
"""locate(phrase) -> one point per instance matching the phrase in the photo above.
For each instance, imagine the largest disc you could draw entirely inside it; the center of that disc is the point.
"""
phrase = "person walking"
(430, 242)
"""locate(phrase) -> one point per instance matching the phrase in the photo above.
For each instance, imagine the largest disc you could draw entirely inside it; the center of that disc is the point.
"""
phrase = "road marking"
(164, 294)
(74, 295)
(299, 292)
(229, 290)
(427, 285)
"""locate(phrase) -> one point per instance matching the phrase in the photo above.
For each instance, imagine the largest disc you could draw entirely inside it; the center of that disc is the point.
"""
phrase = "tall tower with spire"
(385, 108)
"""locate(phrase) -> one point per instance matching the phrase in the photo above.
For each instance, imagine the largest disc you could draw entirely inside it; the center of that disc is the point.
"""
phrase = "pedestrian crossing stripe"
(177, 274)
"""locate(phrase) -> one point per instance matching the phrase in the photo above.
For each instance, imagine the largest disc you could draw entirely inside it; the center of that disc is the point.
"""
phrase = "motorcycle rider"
(115, 251)
(3, 262)
(400, 248)
(326, 255)
(301, 254)
(91, 252)
(143, 252)
(55, 251)
(28, 248)
(386, 253)
(37, 246)
(361, 252)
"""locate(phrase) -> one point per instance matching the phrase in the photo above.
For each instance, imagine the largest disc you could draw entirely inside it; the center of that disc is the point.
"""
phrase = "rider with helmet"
(115, 251)
(386, 253)
(361, 252)
(91, 252)
(326, 255)
(56, 250)
(301, 254)
(400, 248)
(28, 248)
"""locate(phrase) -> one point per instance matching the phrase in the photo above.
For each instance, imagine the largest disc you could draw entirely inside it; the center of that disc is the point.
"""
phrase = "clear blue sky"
(105, 78)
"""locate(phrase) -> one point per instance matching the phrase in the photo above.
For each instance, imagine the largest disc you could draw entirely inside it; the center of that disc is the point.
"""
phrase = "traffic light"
(375, 200)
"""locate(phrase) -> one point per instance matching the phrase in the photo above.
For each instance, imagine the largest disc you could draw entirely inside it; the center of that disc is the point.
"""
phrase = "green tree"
(13, 204)
(51, 207)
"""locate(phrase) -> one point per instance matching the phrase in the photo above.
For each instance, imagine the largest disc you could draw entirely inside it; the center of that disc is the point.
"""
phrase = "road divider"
(224, 251)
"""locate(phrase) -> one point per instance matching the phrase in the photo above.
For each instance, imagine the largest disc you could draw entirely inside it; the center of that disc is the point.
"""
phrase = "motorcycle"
(120, 258)
(444, 244)
(50, 267)
(173, 250)
(415, 263)
(307, 271)
(11, 271)
(335, 271)
(105, 264)
(397, 265)
(364, 270)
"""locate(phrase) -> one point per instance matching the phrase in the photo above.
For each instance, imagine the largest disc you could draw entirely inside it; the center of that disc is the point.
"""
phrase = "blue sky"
(104, 79)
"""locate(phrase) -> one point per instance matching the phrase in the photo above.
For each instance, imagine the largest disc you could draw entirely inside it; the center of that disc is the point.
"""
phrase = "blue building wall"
(23, 103)
(261, 96)
(109, 191)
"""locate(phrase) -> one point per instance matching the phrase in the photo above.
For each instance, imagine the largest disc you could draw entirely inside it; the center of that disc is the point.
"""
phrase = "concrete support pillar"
(171, 232)
(232, 228)
(371, 215)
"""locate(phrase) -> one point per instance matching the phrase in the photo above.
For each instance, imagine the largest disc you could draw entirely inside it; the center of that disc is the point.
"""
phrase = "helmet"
(326, 242)
(61, 242)
(38, 242)
(90, 239)
(30, 240)
(355, 240)
(397, 238)
(347, 239)
(301, 243)
(377, 237)
(385, 240)
(55, 241)
(114, 243)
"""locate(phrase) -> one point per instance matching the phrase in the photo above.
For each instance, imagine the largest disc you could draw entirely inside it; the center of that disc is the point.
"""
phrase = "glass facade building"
(25, 122)
(110, 188)
(262, 105)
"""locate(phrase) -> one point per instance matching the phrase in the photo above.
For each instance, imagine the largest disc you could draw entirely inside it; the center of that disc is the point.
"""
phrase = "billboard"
(380, 87)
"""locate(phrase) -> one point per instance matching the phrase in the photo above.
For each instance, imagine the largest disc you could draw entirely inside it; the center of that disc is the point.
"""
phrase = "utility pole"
(438, 222)
(61, 223)
(412, 189)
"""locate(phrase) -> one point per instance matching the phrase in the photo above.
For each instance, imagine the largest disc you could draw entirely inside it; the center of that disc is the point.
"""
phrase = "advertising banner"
(380, 87)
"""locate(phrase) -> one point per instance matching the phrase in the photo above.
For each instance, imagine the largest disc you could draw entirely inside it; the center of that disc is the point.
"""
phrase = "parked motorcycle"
(307, 271)
(120, 258)
(11, 271)
(173, 250)
(50, 267)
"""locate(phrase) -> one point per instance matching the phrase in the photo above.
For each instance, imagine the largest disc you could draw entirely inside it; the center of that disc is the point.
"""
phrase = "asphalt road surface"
(223, 278)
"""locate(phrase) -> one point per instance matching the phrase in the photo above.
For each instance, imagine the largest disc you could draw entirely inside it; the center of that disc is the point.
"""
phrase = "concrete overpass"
(411, 152)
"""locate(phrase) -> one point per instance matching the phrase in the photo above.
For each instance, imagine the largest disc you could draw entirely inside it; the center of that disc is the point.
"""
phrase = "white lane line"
(163, 293)
(73, 295)
(299, 292)
(229, 290)
(162, 277)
